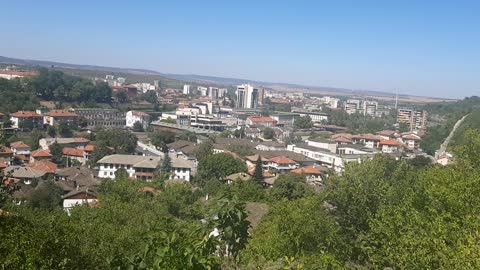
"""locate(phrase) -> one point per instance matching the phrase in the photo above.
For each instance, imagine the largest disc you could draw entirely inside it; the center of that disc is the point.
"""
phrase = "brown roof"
(344, 135)
(307, 170)
(22, 157)
(411, 137)
(255, 158)
(370, 137)
(282, 160)
(1, 114)
(19, 144)
(5, 150)
(261, 119)
(44, 166)
(342, 139)
(61, 113)
(25, 114)
(69, 151)
(390, 142)
(41, 153)
(138, 113)
(386, 132)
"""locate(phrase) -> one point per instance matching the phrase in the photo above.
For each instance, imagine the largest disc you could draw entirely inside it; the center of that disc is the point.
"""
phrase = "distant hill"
(201, 79)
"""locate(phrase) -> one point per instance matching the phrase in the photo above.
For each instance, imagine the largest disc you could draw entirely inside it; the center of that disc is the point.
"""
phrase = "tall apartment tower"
(186, 89)
(213, 92)
(247, 96)
(416, 119)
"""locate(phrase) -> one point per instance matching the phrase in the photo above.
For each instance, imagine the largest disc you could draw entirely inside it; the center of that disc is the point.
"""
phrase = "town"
(299, 137)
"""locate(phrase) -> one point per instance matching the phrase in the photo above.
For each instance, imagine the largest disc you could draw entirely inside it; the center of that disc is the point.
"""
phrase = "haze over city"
(427, 48)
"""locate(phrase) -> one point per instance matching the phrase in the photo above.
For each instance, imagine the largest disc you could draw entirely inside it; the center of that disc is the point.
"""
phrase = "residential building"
(186, 89)
(257, 121)
(312, 173)
(26, 174)
(132, 117)
(26, 119)
(282, 164)
(53, 118)
(20, 148)
(284, 118)
(352, 106)
(247, 96)
(79, 143)
(97, 117)
(391, 146)
(203, 91)
(411, 140)
(213, 92)
(40, 155)
(79, 196)
(142, 167)
(74, 154)
(415, 119)
(317, 117)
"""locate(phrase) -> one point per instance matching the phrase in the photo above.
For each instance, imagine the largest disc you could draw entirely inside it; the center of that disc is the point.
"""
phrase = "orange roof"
(344, 135)
(342, 139)
(61, 113)
(21, 157)
(5, 150)
(68, 151)
(390, 142)
(19, 144)
(137, 113)
(89, 148)
(306, 170)
(44, 166)
(261, 119)
(25, 114)
(282, 160)
(40, 153)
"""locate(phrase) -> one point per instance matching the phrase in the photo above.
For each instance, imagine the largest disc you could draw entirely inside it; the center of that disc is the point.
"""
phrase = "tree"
(290, 187)
(56, 150)
(121, 173)
(64, 130)
(303, 122)
(121, 96)
(268, 133)
(47, 195)
(51, 131)
(99, 151)
(138, 127)
(204, 150)
(258, 173)
(218, 166)
(420, 161)
(403, 127)
(188, 136)
(122, 141)
(34, 139)
(161, 138)
(166, 162)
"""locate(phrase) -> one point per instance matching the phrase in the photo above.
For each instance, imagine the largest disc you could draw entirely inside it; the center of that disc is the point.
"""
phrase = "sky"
(427, 47)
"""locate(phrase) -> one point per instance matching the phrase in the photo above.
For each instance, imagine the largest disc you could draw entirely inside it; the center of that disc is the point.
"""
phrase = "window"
(111, 173)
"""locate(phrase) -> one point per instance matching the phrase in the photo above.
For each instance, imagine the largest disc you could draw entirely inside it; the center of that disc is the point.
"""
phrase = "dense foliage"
(359, 123)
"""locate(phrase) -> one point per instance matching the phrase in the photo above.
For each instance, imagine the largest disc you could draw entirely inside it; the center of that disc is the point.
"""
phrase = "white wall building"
(186, 89)
(132, 117)
(247, 96)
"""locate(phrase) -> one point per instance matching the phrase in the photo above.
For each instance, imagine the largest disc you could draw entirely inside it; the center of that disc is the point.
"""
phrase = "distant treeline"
(50, 85)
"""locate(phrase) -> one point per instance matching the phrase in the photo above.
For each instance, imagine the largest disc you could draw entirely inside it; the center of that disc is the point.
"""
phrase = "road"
(444, 145)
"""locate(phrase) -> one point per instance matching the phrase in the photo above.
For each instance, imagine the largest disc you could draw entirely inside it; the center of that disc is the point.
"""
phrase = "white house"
(20, 148)
(135, 116)
(78, 196)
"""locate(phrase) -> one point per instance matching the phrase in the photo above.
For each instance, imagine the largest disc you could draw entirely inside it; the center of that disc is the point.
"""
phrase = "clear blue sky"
(422, 47)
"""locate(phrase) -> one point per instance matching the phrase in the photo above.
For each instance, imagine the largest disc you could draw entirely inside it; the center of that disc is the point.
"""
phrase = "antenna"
(396, 100)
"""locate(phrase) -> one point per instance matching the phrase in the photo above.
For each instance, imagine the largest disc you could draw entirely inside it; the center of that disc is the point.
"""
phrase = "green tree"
(99, 151)
(64, 130)
(268, 133)
(205, 149)
(258, 172)
(290, 187)
(56, 150)
(47, 195)
(188, 136)
(161, 138)
(51, 131)
(122, 141)
(303, 122)
(218, 166)
(138, 127)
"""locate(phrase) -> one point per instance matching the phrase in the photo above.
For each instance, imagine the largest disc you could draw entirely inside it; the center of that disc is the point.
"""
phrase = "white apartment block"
(247, 97)
(132, 117)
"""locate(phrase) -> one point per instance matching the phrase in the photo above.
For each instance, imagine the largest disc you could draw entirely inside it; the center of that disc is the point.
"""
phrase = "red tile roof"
(21, 157)
(40, 153)
(19, 144)
(5, 150)
(61, 113)
(345, 135)
(68, 151)
(261, 119)
(44, 166)
(81, 140)
(307, 170)
(390, 142)
(342, 139)
(89, 148)
(282, 160)
(137, 113)
(25, 114)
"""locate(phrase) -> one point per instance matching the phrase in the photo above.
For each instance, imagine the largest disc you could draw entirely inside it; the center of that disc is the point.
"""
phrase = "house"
(237, 176)
(79, 196)
(142, 167)
(40, 155)
(312, 173)
(282, 164)
(26, 174)
(74, 154)
(391, 146)
(387, 134)
(79, 143)
(135, 116)
(369, 140)
(257, 121)
(26, 119)
(411, 140)
(251, 162)
(20, 148)
(270, 146)
(55, 117)
(45, 166)
(445, 159)
(6, 153)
